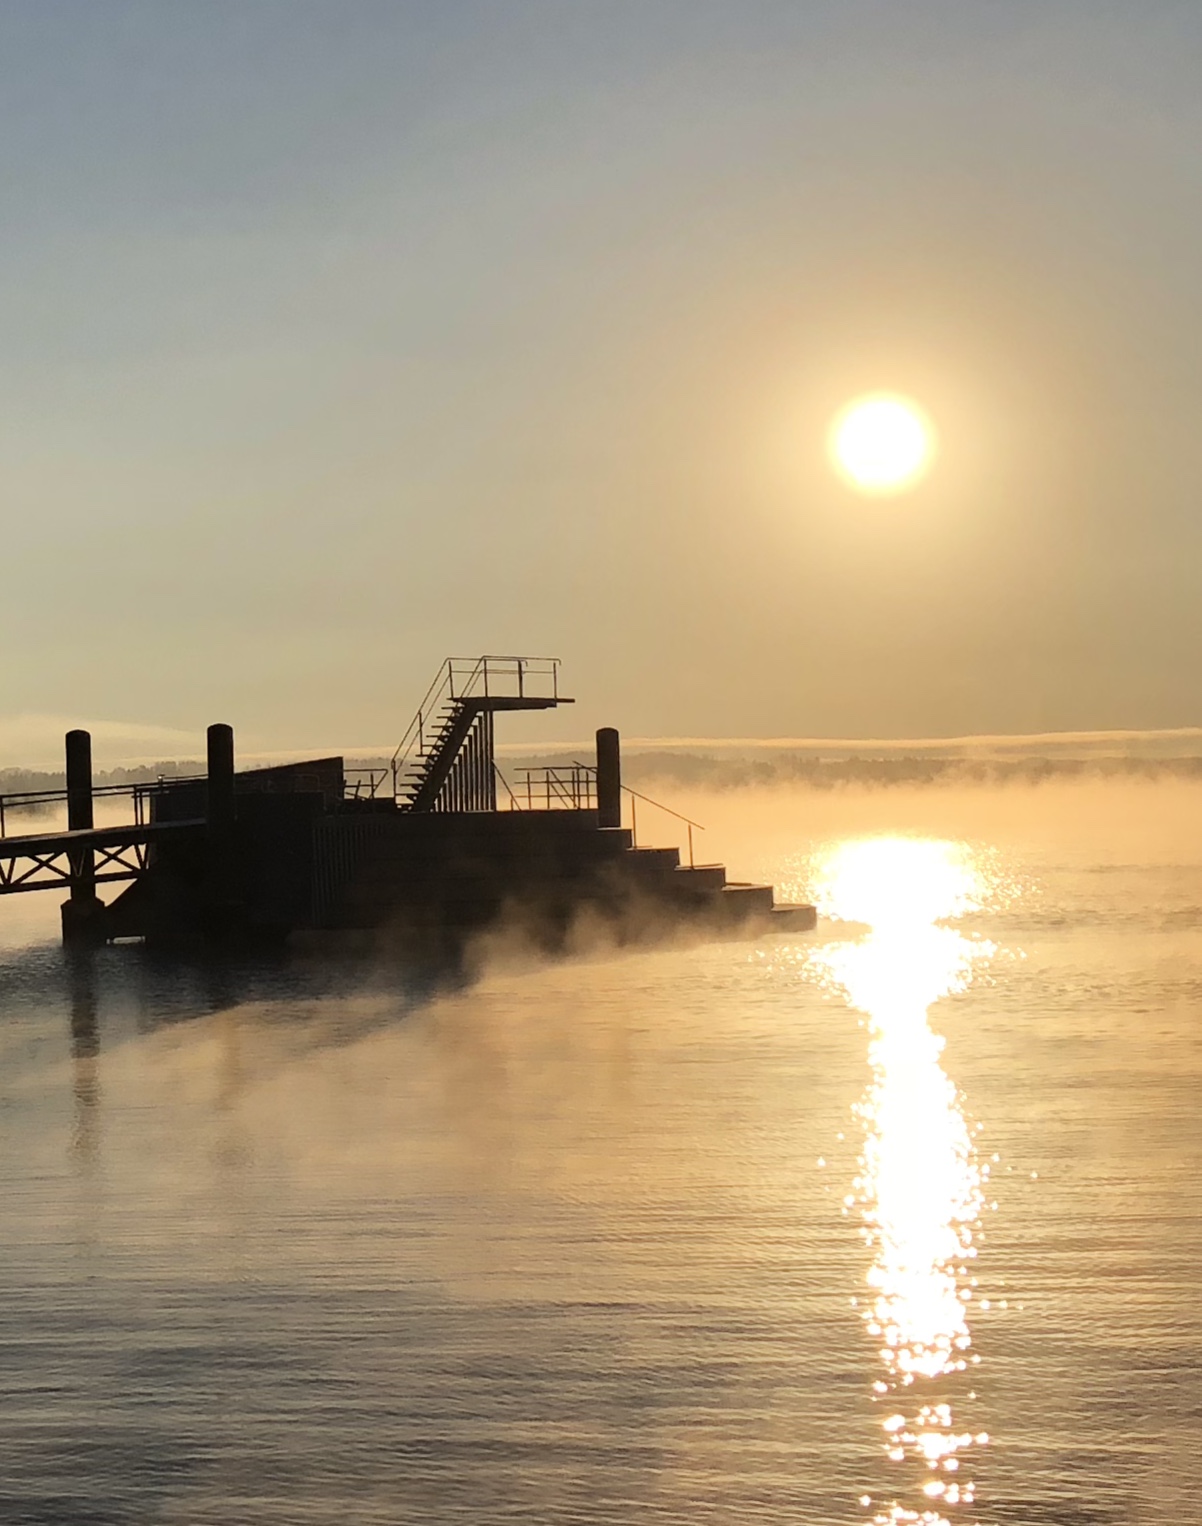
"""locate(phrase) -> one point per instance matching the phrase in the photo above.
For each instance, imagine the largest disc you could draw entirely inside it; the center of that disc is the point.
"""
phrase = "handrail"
(138, 791)
(658, 805)
(371, 778)
(574, 784)
(569, 786)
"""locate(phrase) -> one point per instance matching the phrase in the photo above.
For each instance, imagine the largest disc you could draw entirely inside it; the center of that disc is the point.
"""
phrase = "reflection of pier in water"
(85, 1054)
(143, 993)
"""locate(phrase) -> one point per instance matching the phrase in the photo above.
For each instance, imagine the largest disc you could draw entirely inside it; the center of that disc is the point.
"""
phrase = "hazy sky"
(339, 336)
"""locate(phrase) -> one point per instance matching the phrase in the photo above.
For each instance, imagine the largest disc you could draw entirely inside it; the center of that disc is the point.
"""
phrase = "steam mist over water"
(706, 1232)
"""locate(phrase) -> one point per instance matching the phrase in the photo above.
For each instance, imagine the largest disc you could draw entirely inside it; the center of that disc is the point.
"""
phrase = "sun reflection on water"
(920, 1190)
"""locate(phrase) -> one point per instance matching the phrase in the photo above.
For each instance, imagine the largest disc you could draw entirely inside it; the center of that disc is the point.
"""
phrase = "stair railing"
(635, 797)
(463, 678)
(658, 805)
(412, 745)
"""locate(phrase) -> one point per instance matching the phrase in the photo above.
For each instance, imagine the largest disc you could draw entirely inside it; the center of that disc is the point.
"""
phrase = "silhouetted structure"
(423, 850)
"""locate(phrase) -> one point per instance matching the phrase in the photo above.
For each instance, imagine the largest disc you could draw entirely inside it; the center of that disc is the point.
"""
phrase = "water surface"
(899, 1223)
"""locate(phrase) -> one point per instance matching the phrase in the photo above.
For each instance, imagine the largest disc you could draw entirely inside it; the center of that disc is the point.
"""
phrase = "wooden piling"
(82, 913)
(221, 889)
(609, 778)
(220, 789)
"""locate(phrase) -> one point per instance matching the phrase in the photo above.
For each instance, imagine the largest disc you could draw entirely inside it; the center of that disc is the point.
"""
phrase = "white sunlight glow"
(920, 1189)
(882, 444)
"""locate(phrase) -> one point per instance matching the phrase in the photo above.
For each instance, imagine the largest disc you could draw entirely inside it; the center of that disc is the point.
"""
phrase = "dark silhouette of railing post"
(82, 914)
(609, 778)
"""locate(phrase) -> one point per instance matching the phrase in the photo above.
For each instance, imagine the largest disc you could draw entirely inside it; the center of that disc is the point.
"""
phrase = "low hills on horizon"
(725, 764)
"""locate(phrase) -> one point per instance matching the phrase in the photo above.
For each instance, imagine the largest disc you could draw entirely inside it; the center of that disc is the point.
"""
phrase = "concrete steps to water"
(707, 877)
(701, 891)
(794, 919)
(746, 900)
(654, 862)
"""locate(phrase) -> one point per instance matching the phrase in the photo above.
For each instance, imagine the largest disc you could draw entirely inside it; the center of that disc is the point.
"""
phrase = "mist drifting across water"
(292, 1243)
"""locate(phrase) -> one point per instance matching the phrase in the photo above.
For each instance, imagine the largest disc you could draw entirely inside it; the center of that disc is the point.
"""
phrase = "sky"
(339, 337)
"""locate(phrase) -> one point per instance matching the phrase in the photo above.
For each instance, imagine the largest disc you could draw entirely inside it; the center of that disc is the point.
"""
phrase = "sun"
(882, 443)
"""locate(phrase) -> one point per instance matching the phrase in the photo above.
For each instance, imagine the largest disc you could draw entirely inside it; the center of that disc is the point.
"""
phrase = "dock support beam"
(83, 914)
(609, 778)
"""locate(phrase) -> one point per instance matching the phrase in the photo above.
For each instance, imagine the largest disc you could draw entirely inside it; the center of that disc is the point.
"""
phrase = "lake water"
(889, 1222)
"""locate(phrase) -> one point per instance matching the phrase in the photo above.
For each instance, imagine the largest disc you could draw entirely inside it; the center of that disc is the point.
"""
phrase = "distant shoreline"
(760, 766)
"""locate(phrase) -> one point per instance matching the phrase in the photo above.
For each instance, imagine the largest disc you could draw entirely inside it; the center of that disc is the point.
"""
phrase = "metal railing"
(361, 784)
(364, 783)
(38, 802)
(461, 678)
(573, 787)
(570, 788)
(504, 783)
(658, 805)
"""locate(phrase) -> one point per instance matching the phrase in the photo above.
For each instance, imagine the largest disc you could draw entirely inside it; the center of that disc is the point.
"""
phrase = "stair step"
(654, 860)
(743, 900)
(794, 919)
(701, 876)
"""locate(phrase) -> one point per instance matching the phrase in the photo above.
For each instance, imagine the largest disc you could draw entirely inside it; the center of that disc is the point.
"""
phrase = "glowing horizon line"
(843, 744)
(1012, 740)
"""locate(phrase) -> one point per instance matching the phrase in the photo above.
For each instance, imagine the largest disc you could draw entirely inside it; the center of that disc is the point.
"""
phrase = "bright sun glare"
(921, 1187)
(882, 443)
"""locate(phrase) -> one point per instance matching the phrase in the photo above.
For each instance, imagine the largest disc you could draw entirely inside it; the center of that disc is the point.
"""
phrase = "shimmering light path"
(920, 1187)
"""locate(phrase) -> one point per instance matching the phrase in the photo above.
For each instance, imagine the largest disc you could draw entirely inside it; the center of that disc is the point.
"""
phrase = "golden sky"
(339, 338)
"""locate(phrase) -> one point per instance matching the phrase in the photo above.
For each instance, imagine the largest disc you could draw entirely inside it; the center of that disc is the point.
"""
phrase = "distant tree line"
(710, 771)
(22, 781)
(805, 770)
(18, 780)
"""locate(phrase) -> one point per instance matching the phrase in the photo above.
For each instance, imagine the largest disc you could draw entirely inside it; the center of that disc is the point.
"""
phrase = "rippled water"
(892, 1222)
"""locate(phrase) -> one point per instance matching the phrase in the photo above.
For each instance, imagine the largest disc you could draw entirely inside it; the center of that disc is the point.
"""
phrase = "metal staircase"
(446, 760)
